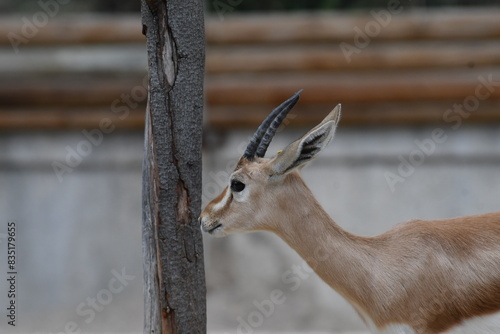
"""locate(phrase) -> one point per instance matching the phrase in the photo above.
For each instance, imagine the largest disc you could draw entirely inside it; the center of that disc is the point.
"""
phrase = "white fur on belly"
(487, 324)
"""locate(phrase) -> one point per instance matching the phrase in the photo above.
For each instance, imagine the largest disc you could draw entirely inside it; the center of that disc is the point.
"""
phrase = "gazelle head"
(260, 189)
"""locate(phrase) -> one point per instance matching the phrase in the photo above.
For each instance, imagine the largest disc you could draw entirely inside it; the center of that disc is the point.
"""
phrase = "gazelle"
(422, 277)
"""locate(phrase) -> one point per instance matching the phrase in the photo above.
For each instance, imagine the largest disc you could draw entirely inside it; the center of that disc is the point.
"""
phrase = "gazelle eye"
(237, 186)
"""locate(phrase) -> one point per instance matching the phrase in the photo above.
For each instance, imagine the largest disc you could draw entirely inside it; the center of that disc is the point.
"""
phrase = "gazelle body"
(420, 277)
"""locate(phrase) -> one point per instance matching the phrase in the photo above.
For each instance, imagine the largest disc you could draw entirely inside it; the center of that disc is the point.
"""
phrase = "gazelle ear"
(306, 148)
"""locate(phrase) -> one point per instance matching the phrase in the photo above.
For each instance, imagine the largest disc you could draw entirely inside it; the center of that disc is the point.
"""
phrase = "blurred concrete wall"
(79, 240)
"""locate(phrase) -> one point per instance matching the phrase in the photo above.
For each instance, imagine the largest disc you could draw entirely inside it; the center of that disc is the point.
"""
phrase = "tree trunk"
(174, 278)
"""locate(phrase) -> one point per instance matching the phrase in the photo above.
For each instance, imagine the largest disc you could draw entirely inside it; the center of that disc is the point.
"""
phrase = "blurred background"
(419, 84)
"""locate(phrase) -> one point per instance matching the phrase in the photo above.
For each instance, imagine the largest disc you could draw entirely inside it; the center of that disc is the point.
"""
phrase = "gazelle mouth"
(212, 230)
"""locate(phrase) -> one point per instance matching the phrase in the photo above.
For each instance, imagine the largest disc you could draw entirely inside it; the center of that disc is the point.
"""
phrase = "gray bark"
(174, 278)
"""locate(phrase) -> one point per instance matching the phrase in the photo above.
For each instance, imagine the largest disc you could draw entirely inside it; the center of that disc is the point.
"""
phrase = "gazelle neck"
(344, 261)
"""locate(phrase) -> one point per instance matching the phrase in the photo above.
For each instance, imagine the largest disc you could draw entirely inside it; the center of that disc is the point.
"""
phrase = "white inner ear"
(304, 150)
(312, 144)
(327, 129)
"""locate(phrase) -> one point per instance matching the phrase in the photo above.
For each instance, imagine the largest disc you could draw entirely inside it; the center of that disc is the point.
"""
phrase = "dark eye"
(237, 186)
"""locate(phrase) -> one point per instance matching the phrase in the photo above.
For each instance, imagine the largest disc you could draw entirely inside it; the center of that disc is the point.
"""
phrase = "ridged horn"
(266, 131)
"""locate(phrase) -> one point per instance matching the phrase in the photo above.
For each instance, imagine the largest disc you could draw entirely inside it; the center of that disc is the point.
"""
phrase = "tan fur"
(430, 275)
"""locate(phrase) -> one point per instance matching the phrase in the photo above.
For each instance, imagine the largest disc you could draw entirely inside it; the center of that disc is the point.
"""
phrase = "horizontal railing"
(414, 67)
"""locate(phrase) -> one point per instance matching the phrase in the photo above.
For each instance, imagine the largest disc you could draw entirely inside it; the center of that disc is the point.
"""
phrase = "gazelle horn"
(266, 131)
